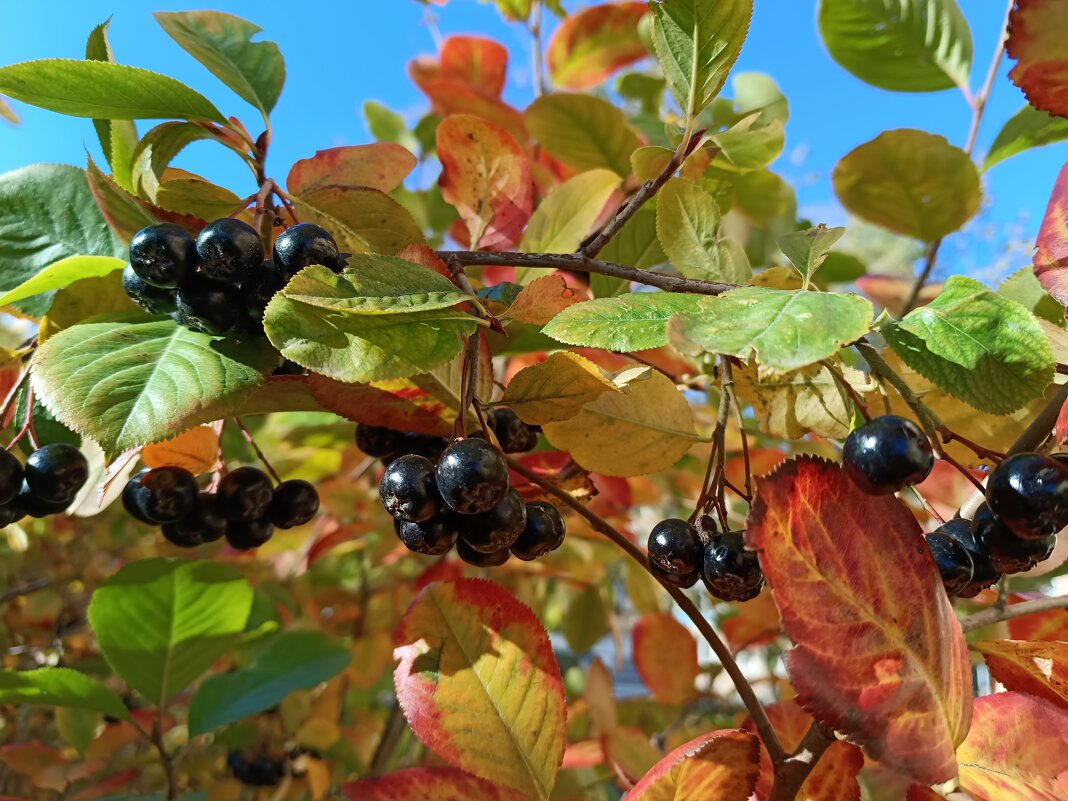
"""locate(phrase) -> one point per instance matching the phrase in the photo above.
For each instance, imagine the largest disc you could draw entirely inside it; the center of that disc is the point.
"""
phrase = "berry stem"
(741, 683)
(848, 388)
(252, 443)
(27, 427)
(155, 737)
(284, 198)
(12, 395)
(989, 617)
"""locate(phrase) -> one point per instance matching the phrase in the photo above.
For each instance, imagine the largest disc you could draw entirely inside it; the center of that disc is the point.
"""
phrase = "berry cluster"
(47, 484)
(887, 454)
(220, 281)
(681, 552)
(461, 496)
(245, 508)
(256, 771)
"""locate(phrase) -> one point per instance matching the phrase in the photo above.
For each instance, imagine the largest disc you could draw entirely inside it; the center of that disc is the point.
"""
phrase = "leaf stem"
(259, 453)
(848, 388)
(155, 737)
(989, 617)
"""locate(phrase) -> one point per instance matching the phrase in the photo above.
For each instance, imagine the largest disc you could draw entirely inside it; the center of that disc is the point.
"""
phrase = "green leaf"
(373, 284)
(102, 90)
(901, 45)
(582, 131)
(756, 91)
(157, 149)
(62, 274)
(161, 623)
(751, 144)
(362, 220)
(586, 620)
(636, 321)
(1029, 127)
(295, 660)
(635, 245)
(222, 43)
(648, 90)
(566, 216)
(198, 198)
(77, 727)
(807, 250)
(782, 329)
(47, 214)
(688, 227)
(911, 182)
(981, 347)
(130, 379)
(118, 138)
(60, 687)
(125, 213)
(387, 125)
(1023, 287)
(697, 42)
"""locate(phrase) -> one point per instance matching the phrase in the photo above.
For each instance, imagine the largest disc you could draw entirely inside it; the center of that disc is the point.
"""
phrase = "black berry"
(731, 573)
(887, 454)
(206, 523)
(433, 537)
(176, 536)
(11, 474)
(163, 255)
(244, 535)
(166, 494)
(11, 512)
(56, 472)
(378, 441)
(258, 290)
(513, 434)
(952, 559)
(295, 503)
(1008, 553)
(675, 552)
(302, 245)
(409, 490)
(256, 772)
(498, 528)
(245, 494)
(208, 306)
(151, 298)
(229, 250)
(974, 541)
(29, 502)
(129, 498)
(472, 476)
(1028, 492)
(479, 559)
(543, 533)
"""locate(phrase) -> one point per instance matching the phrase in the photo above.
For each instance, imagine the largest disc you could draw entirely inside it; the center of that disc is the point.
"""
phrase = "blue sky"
(343, 52)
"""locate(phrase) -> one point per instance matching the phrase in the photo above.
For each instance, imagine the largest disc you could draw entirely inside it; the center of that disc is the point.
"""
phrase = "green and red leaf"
(1051, 625)
(379, 165)
(593, 43)
(1051, 247)
(721, 766)
(1037, 668)
(1037, 30)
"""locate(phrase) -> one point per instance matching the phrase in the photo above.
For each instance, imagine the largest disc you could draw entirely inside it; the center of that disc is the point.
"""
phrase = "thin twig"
(534, 26)
(930, 258)
(25, 589)
(155, 737)
(252, 444)
(391, 735)
(741, 683)
(989, 617)
(1039, 429)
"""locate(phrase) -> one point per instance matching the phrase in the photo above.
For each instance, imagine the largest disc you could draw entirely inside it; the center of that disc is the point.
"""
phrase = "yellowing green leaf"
(566, 216)
(556, 388)
(362, 220)
(594, 42)
(807, 250)
(373, 284)
(1029, 127)
(634, 321)
(61, 274)
(688, 227)
(750, 144)
(582, 131)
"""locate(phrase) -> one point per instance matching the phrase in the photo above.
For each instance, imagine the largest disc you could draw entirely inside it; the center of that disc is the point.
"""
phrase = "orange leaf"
(754, 623)
(595, 42)
(1051, 247)
(599, 694)
(1017, 750)
(398, 405)
(1051, 625)
(630, 752)
(1037, 30)
(835, 776)
(455, 97)
(418, 253)
(197, 450)
(476, 61)
(486, 177)
(479, 684)
(665, 654)
(380, 165)
(427, 784)
(1036, 668)
(583, 754)
(879, 654)
(721, 766)
(542, 299)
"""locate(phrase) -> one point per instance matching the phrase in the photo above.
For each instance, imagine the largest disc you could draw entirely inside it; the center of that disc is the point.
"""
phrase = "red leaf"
(418, 253)
(1051, 253)
(721, 766)
(427, 784)
(665, 654)
(486, 177)
(454, 97)
(1017, 750)
(1051, 625)
(402, 406)
(474, 61)
(1036, 668)
(753, 623)
(918, 792)
(380, 165)
(1061, 429)
(879, 654)
(1037, 30)
(595, 42)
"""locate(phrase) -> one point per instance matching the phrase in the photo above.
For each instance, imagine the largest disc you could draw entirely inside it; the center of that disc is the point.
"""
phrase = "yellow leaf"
(541, 300)
(555, 389)
(645, 428)
(197, 450)
(318, 734)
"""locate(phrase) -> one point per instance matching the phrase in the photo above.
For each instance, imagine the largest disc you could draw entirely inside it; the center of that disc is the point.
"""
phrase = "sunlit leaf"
(634, 321)
(594, 42)
(555, 389)
(1036, 29)
(688, 227)
(379, 165)
(436, 783)
(1036, 668)
(665, 655)
(721, 765)
(582, 131)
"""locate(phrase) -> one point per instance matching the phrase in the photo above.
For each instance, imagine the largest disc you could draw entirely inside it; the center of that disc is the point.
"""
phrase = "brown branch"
(577, 263)
(989, 617)
(1037, 432)
(791, 773)
(741, 683)
(930, 259)
(25, 589)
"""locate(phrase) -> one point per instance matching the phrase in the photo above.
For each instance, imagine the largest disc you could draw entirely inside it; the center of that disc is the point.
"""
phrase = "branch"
(1036, 433)
(741, 683)
(989, 617)
(577, 263)
(791, 773)
(25, 589)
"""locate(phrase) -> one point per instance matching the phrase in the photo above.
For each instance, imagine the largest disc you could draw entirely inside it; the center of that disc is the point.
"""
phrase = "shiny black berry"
(1009, 553)
(479, 559)
(244, 535)
(258, 290)
(11, 512)
(472, 476)
(974, 541)
(29, 502)
(675, 551)
(422, 445)
(952, 559)
(409, 490)
(208, 306)
(887, 454)
(129, 498)
(11, 474)
(258, 771)
(498, 528)
(56, 472)
(229, 250)
(150, 298)
(543, 533)
(166, 494)
(513, 434)
(378, 441)
(245, 494)
(731, 573)
(295, 503)
(302, 245)
(433, 537)
(206, 523)
(177, 537)
(163, 255)
(1028, 492)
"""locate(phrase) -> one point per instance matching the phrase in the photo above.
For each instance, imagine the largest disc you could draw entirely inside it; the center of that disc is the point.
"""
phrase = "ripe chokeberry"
(433, 537)
(256, 772)
(974, 541)
(244, 535)
(56, 473)
(11, 512)
(1028, 492)
(1009, 553)
(129, 498)
(258, 290)
(175, 536)
(295, 503)
(472, 476)
(151, 298)
(245, 494)
(229, 250)
(543, 533)
(206, 523)
(166, 494)
(675, 552)
(303, 245)
(479, 559)
(498, 528)
(378, 441)
(731, 573)
(207, 306)
(409, 490)
(952, 559)
(11, 475)
(887, 454)
(29, 502)
(163, 255)
(513, 434)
